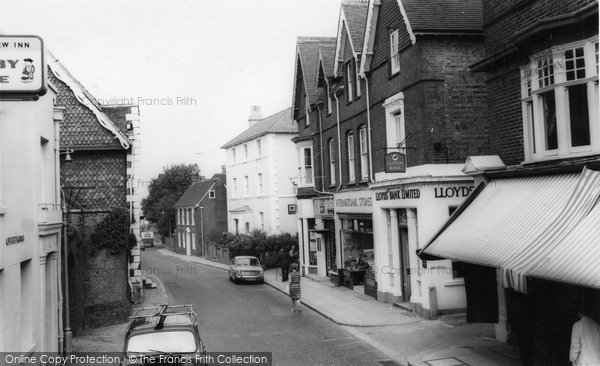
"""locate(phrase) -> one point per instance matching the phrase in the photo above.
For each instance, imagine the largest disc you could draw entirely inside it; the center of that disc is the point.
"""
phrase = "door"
(404, 263)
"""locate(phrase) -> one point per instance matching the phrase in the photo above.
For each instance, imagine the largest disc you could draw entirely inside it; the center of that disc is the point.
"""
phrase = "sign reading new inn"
(22, 66)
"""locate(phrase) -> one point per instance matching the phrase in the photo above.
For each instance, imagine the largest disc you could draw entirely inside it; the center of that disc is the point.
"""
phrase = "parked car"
(167, 334)
(246, 268)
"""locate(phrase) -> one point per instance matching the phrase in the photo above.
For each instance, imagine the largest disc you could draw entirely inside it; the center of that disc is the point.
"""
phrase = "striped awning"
(514, 222)
(582, 200)
(576, 258)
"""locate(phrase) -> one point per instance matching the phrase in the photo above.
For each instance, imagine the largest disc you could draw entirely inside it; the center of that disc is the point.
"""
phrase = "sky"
(194, 66)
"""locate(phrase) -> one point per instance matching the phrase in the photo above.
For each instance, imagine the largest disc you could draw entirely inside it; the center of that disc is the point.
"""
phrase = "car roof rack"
(158, 314)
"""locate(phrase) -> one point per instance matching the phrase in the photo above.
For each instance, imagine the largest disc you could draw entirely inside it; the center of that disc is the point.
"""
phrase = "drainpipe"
(369, 129)
(337, 110)
(58, 116)
(321, 147)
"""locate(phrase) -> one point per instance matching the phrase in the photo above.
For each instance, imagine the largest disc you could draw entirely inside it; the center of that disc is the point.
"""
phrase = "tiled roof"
(308, 51)
(197, 190)
(327, 54)
(85, 125)
(280, 122)
(118, 114)
(355, 13)
(453, 15)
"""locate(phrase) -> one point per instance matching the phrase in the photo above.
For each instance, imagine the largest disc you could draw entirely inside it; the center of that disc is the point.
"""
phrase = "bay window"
(559, 102)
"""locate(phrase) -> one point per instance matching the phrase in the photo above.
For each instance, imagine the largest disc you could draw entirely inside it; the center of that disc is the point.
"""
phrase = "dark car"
(163, 335)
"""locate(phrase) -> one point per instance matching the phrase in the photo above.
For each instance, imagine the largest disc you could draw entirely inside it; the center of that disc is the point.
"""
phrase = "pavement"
(402, 335)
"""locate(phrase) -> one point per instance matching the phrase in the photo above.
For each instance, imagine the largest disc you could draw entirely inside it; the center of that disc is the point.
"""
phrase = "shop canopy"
(515, 222)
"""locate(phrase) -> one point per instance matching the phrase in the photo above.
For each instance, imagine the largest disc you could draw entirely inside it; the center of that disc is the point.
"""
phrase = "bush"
(112, 233)
(258, 244)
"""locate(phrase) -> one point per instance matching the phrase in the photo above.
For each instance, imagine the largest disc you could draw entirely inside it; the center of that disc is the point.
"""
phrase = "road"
(256, 317)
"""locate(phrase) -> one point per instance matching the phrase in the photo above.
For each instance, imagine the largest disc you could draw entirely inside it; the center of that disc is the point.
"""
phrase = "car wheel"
(235, 280)
(230, 279)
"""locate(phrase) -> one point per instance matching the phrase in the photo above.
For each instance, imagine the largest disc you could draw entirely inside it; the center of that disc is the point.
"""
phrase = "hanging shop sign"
(395, 162)
(22, 67)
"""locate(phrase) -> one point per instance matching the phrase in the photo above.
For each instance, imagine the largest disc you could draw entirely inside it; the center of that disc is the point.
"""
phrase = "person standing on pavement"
(295, 290)
(284, 262)
(585, 341)
(293, 255)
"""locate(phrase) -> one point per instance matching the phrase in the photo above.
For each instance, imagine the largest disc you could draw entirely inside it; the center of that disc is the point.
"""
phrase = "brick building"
(395, 115)
(93, 178)
(201, 216)
(528, 263)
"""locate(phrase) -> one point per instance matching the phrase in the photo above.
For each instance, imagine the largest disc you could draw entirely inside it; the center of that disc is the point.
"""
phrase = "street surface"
(256, 317)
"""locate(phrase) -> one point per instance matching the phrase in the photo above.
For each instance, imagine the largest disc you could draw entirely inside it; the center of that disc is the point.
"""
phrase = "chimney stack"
(255, 115)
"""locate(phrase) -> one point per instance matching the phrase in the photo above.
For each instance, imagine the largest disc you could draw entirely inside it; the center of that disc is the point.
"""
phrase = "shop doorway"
(404, 263)
(329, 243)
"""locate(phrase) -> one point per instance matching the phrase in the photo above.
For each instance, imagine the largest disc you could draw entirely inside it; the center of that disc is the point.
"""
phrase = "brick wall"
(504, 18)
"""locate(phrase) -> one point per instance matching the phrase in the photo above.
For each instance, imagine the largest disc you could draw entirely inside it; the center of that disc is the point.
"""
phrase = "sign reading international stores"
(22, 67)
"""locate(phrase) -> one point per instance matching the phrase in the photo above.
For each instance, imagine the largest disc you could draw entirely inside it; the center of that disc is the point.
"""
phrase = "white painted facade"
(408, 210)
(135, 190)
(259, 185)
(30, 226)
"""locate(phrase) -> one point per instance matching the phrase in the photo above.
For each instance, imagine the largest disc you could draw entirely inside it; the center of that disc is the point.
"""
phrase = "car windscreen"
(180, 341)
(247, 262)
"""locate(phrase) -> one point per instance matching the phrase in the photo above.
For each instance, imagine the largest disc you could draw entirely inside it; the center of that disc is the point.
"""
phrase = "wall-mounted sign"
(291, 209)
(449, 192)
(353, 202)
(22, 66)
(323, 207)
(15, 239)
(398, 194)
(395, 162)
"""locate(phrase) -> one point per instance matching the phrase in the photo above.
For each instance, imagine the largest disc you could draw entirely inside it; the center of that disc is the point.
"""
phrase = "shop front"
(322, 247)
(354, 223)
(406, 214)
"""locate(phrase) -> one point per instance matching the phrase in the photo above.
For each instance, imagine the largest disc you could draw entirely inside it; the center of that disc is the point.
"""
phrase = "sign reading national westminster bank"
(22, 67)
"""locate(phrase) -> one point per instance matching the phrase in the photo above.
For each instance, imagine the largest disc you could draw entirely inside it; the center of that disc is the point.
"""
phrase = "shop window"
(559, 92)
(357, 243)
(312, 242)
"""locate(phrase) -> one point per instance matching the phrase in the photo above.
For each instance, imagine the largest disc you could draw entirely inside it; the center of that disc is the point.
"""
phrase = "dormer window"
(394, 52)
(559, 99)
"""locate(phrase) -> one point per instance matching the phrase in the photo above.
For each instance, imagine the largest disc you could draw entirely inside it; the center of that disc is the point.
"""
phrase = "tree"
(163, 192)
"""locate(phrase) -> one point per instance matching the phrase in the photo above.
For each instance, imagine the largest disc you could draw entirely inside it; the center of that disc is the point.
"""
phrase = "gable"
(390, 18)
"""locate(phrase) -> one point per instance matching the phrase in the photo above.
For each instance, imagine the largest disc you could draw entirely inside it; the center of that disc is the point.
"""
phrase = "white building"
(30, 225)
(260, 166)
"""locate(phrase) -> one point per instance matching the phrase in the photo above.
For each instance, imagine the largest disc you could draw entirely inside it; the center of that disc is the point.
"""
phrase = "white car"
(246, 268)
